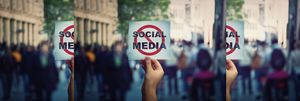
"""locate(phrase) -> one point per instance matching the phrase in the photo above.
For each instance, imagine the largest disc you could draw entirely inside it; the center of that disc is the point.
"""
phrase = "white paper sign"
(63, 40)
(234, 39)
(148, 38)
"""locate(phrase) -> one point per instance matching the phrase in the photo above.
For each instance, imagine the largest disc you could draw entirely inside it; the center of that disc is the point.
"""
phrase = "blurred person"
(26, 71)
(118, 73)
(17, 56)
(190, 51)
(91, 62)
(274, 43)
(294, 67)
(80, 71)
(258, 74)
(265, 52)
(253, 74)
(45, 73)
(276, 88)
(248, 53)
(6, 71)
(200, 43)
(218, 68)
(171, 70)
(202, 88)
(101, 55)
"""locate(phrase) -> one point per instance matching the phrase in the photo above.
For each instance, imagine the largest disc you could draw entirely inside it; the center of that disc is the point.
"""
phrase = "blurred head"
(44, 47)
(264, 44)
(274, 41)
(118, 47)
(277, 59)
(204, 60)
(200, 40)
(172, 41)
(29, 48)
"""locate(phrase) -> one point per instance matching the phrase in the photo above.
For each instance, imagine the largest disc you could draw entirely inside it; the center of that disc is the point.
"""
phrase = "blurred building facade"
(186, 17)
(265, 19)
(21, 21)
(96, 21)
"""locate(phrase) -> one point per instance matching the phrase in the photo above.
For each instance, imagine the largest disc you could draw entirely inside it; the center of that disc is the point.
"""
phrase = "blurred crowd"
(192, 64)
(195, 72)
(33, 68)
(268, 72)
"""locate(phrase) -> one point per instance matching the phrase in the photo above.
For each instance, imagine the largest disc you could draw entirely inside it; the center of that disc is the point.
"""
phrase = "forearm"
(228, 97)
(148, 93)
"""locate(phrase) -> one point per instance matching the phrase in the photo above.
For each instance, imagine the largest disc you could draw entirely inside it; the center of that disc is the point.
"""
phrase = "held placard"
(234, 39)
(63, 39)
(148, 38)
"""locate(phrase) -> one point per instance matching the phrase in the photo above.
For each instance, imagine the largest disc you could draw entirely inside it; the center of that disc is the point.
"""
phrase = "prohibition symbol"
(236, 39)
(149, 40)
(62, 39)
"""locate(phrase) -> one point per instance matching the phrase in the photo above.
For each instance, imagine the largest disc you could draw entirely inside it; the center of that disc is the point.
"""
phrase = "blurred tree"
(234, 9)
(57, 10)
(140, 10)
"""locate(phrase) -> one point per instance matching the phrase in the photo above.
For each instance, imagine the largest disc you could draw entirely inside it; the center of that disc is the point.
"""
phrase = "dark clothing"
(46, 76)
(26, 72)
(276, 88)
(6, 73)
(101, 59)
(202, 88)
(171, 74)
(99, 70)
(80, 71)
(117, 75)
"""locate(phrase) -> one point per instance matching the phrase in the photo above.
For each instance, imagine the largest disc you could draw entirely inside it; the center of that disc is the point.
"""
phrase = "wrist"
(148, 92)
(148, 86)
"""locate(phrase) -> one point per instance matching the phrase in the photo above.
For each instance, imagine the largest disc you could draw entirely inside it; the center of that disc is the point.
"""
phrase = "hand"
(153, 74)
(231, 73)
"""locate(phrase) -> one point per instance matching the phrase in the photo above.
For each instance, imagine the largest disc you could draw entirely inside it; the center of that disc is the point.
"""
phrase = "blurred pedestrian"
(294, 67)
(171, 70)
(26, 71)
(45, 72)
(80, 71)
(202, 88)
(276, 88)
(119, 74)
(90, 65)
(190, 52)
(101, 55)
(6, 71)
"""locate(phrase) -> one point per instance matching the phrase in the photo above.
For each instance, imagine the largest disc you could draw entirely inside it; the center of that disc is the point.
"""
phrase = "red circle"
(236, 38)
(62, 39)
(157, 29)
